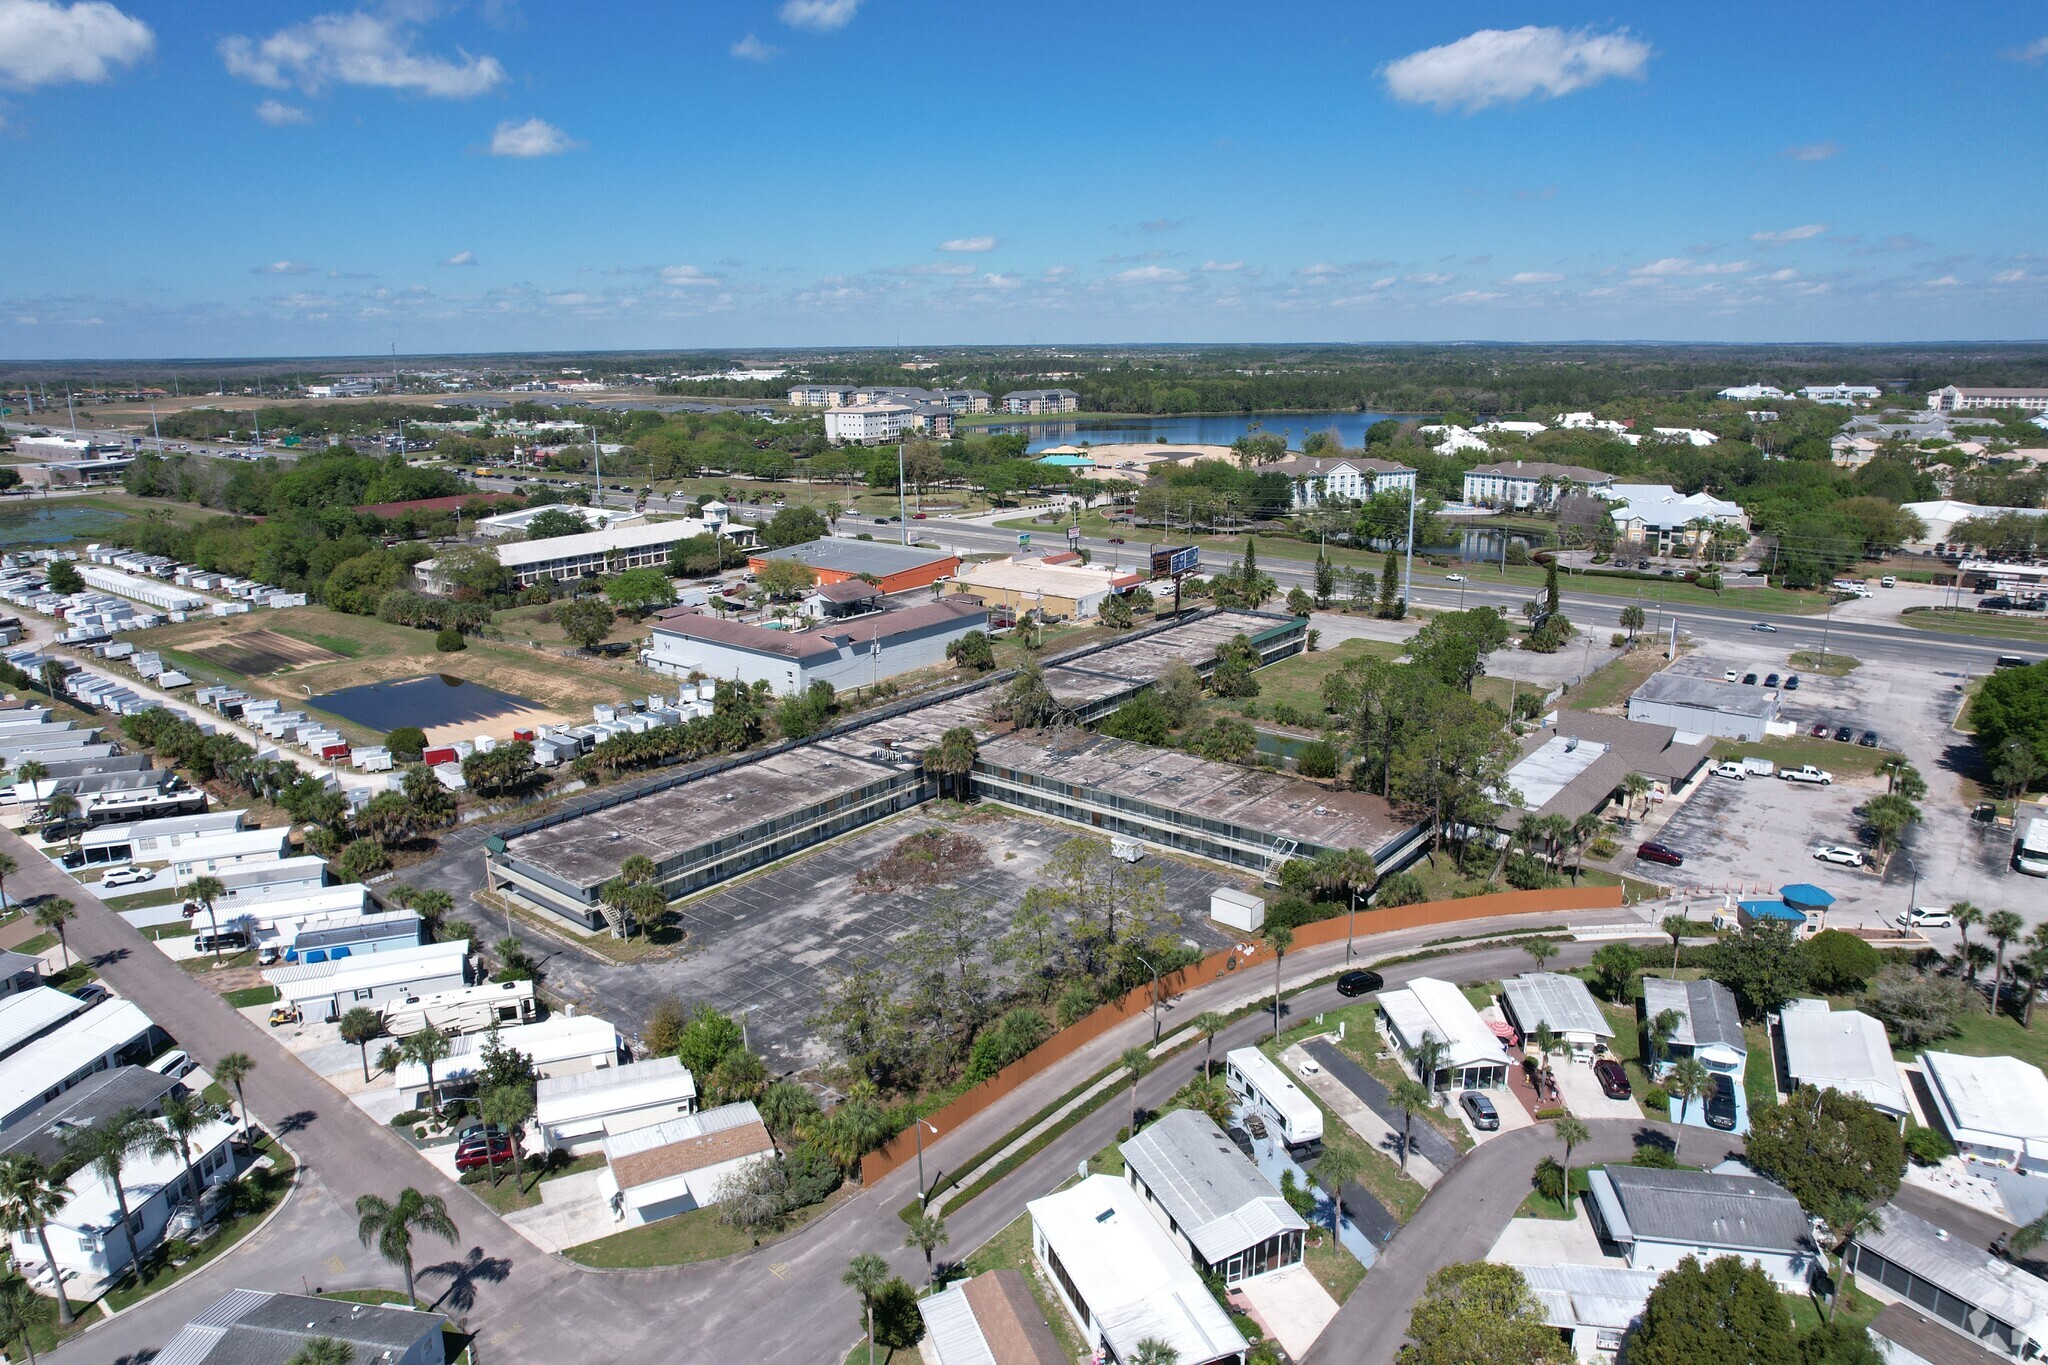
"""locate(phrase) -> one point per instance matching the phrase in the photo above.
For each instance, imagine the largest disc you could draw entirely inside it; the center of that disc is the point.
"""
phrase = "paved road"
(1426, 1141)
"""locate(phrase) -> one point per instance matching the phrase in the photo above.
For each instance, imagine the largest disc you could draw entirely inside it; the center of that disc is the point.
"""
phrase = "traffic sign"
(1073, 537)
(1023, 540)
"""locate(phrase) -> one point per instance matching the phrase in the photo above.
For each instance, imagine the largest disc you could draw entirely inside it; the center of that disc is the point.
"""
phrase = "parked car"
(92, 993)
(1749, 680)
(1732, 674)
(127, 876)
(1771, 680)
(1818, 777)
(1868, 739)
(1721, 1103)
(1654, 852)
(1792, 682)
(1734, 770)
(1480, 1110)
(1819, 730)
(226, 941)
(1359, 983)
(73, 860)
(1840, 855)
(1613, 1078)
(470, 1133)
(1844, 733)
(1927, 917)
(1765, 627)
(478, 1155)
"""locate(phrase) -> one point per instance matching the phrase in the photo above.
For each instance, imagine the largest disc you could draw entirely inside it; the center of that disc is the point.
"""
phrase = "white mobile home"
(112, 1033)
(1995, 1109)
(325, 990)
(1258, 1080)
(681, 1164)
(1658, 1218)
(1561, 1003)
(1472, 1057)
(469, 1009)
(562, 1045)
(577, 1113)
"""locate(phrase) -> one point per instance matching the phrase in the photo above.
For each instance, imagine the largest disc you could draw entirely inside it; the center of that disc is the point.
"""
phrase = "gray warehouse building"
(1703, 706)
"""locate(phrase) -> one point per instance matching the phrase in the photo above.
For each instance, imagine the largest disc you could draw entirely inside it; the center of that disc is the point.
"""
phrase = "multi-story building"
(868, 423)
(1529, 483)
(1953, 399)
(1350, 479)
(1028, 401)
(1843, 394)
(821, 395)
(1750, 393)
(857, 651)
(1656, 514)
(596, 553)
(966, 400)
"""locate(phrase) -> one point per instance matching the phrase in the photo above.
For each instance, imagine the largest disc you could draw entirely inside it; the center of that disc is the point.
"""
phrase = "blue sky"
(251, 179)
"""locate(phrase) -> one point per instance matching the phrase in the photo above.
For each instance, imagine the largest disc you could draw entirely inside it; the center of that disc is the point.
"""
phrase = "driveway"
(1439, 1150)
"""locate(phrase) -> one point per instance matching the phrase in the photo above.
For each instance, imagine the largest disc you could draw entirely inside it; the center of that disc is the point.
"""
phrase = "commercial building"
(507, 524)
(577, 1112)
(111, 1033)
(867, 424)
(1471, 1058)
(1942, 516)
(253, 1327)
(991, 1319)
(564, 559)
(1750, 393)
(857, 651)
(1351, 478)
(1220, 1211)
(1578, 761)
(892, 568)
(1655, 1219)
(1528, 483)
(1953, 399)
(1659, 518)
(1995, 1109)
(682, 1163)
(1027, 401)
(1535, 1000)
(1703, 706)
(1063, 591)
(1121, 1278)
(1907, 1259)
(1843, 394)
(1843, 1050)
(76, 473)
(830, 601)
(151, 592)
(1709, 1030)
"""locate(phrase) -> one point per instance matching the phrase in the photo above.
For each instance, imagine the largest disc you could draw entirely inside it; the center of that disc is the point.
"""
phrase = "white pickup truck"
(1807, 773)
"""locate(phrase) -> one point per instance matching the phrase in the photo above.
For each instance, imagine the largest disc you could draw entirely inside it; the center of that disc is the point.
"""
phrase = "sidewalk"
(1357, 1115)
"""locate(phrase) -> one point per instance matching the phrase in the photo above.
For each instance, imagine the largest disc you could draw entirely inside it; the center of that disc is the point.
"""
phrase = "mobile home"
(1258, 1080)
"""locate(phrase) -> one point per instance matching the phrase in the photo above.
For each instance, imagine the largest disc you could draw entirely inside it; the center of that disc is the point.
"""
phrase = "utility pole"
(902, 521)
(1408, 589)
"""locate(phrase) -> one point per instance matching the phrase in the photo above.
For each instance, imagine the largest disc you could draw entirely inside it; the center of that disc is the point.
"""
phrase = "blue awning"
(1771, 910)
(1806, 895)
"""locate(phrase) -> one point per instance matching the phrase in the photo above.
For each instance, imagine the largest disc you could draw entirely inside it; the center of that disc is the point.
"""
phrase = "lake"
(23, 522)
(1207, 431)
(429, 702)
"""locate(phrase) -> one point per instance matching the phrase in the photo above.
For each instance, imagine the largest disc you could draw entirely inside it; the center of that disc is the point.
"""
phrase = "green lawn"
(510, 1194)
(1297, 680)
(1977, 623)
(143, 901)
(365, 1295)
(263, 1190)
(252, 995)
(1540, 1205)
(1382, 1177)
(1834, 664)
(1760, 1076)
(1611, 684)
(1981, 1035)
(694, 1236)
(1856, 1310)
(1843, 760)
(1362, 1045)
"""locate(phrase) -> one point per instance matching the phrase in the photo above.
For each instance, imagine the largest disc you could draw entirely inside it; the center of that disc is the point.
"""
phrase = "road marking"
(335, 1265)
(779, 1270)
(501, 1337)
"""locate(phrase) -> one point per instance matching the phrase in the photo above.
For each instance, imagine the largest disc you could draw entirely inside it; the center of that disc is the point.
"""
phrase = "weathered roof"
(1707, 1014)
(828, 639)
(1697, 1208)
(42, 1131)
(1843, 1050)
(687, 1143)
(1543, 469)
(1955, 1266)
(1707, 694)
(1608, 1296)
(250, 1327)
(1927, 1339)
(1220, 1200)
(611, 1089)
(1552, 998)
(878, 557)
(852, 590)
(992, 1319)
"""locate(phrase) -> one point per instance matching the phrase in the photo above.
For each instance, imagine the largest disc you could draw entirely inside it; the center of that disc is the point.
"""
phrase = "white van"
(173, 1064)
(1927, 917)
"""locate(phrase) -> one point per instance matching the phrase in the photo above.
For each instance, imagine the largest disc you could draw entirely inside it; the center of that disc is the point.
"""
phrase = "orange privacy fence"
(1555, 900)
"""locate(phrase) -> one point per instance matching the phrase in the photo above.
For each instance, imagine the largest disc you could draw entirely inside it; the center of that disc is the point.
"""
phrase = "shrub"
(1553, 1112)
(450, 641)
(1926, 1146)
(1402, 888)
(474, 1177)
(1838, 962)
(1617, 641)
(1549, 1179)
(1655, 1101)
(1300, 1200)
(1655, 1155)
(1526, 873)
(1603, 847)
(1317, 760)
(408, 1118)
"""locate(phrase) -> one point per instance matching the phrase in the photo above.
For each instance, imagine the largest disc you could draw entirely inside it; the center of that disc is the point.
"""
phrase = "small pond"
(428, 702)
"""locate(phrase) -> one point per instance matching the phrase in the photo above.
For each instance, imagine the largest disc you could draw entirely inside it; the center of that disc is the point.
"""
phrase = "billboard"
(1168, 560)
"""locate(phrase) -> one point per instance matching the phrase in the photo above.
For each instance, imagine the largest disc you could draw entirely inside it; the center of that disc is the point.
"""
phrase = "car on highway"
(1480, 1110)
(1359, 983)
(1765, 627)
(1613, 1078)
(1771, 680)
(1927, 917)
(1840, 855)
(1844, 733)
(1792, 682)
(1868, 739)
(1454, 578)
(1819, 730)
(1653, 852)
(1116, 540)
(127, 876)
(1721, 1102)
(917, 516)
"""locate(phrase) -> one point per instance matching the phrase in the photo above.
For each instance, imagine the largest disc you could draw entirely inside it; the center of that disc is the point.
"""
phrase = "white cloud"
(1671, 266)
(1812, 151)
(1474, 296)
(687, 276)
(1803, 232)
(953, 268)
(461, 258)
(1780, 276)
(820, 16)
(2034, 52)
(1058, 272)
(278, 114)
(2014, 277)
(535, 137)
(969, 244)
(44, 43)
(1945, 282)
(356, 48)
(1434, 277)
(754, 50)
(1321, 270)
(1222, 267)
(1149, 274)
(1502, 66)
(1384, 281)
(1535, 277)
(999, 281)
(1161, 224)
(282, 268)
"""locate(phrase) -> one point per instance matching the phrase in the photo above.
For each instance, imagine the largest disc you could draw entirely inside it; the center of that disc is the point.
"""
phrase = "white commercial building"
(1953, 399)
(1537, 999)
(1350, 478)
(1750, 393)
(1122, 1279)
(1843, 394)
(594, 518)
(682, 1163)
(850, 652)
(1059, 592)
(1943, 515)
(1529, 482)
(592, 554)
(1843, 1050)
(111, 1033)
(1658, 1218)
(152, 592)
(1472, 1057)
(1658, 514)
(576, 1113)
(1704, 706)
(1994, 1108)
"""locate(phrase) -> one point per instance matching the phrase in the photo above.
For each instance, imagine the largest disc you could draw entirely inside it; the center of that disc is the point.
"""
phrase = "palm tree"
(29, 1199)
(2003, 926)
(55, 913)
(21, 1312)
(1153, 1351)
(1845, 1219)
(184, 1115)
(107, 1146)
(389, 1227)
(1134, 1060)
(1571, 1131)
(1540, 950)
(1967, 917)
(1688, 1080)
(427, 1047)
(1584, 831)
(1678, 926)
(232, 1070)
(927, 1234)
(32, 772)
(1663, 1029)
(1280, 938)
(952, 759)
(1429, 1057)
(324, 1351)
(207, 891)
(1634, 788)
(865, 1275)
(8, 867)
(1409, 1096)
(1209, 1023)
(359, 1025)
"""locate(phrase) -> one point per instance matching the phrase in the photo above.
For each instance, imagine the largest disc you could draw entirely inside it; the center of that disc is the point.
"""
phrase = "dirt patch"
(256, 652)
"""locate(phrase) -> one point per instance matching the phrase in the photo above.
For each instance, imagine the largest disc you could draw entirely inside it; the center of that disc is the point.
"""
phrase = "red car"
(1654, 852)
(472, 1156)
(1612, 1077)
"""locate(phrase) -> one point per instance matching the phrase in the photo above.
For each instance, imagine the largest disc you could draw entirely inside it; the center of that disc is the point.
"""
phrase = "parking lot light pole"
(1350, 926)
(1914, 894)
(1155, 997)
(919, 1128)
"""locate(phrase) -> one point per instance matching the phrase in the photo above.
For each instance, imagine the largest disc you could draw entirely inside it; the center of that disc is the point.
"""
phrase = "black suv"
(1721, 1103)
(1359, 983)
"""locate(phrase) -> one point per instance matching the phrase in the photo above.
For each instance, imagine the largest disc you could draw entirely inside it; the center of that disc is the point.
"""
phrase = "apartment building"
(1029, 401)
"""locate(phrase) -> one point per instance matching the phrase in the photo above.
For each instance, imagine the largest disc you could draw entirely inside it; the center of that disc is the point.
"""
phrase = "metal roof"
(1696, 1208)
(28, 1014)
(250, 1327)
(1438, 1008)
(2000, 1097)
(1968, 1272)
(1589, 1295)
(992, 1319)
(1552, 998)
(611, 1089)
(42, 1131)
(1806, 894)
(1220, 1200)
(1707, 1013)
(1843, 1050)
(877, 557)
(1707, 694)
